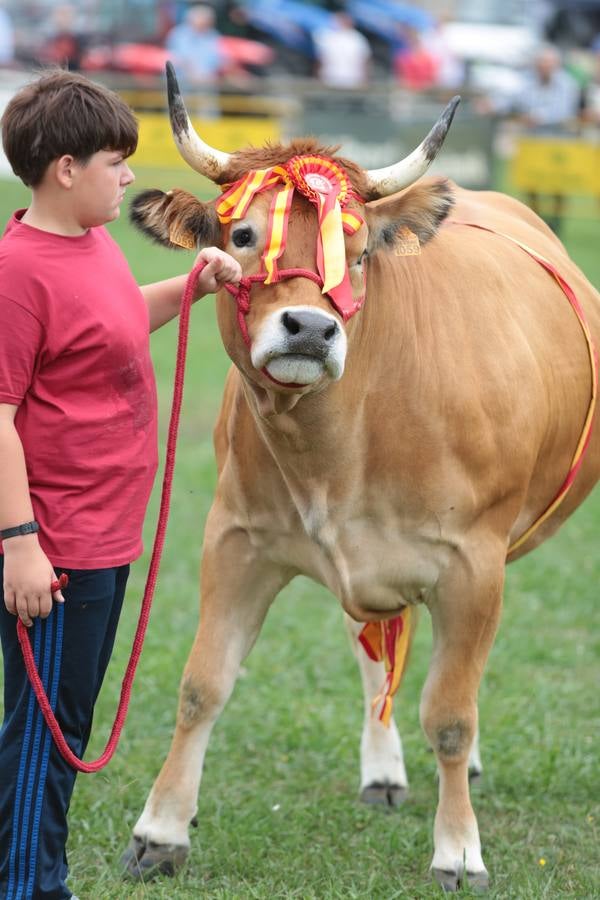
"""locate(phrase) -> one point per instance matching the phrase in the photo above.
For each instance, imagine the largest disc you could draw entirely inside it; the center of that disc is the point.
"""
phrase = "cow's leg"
(382, 774)
(464, 615)
(237, 589)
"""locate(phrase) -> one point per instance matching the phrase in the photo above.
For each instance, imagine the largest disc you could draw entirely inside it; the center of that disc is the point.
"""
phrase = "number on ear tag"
(407, 242)
(181, 237)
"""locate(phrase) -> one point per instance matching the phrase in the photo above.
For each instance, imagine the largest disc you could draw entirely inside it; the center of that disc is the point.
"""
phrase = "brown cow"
(394, 457)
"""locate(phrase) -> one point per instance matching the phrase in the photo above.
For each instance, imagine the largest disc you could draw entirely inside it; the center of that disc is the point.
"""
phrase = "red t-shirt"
(75, 359)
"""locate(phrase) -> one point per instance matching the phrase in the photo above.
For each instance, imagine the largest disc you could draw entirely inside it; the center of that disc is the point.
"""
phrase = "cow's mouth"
(295, 369)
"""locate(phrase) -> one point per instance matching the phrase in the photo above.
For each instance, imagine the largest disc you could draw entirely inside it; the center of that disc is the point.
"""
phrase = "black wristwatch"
(25, 528)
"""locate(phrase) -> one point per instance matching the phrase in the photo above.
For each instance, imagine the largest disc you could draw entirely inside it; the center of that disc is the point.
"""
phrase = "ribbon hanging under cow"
(388, 641)
(326, 184)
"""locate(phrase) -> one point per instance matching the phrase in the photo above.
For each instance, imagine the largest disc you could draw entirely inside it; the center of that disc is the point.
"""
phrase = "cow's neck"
(306, 426)
(317, 440)
(321, 434)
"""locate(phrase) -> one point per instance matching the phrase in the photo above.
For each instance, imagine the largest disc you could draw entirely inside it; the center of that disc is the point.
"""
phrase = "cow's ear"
(419, 211)
(175, 219)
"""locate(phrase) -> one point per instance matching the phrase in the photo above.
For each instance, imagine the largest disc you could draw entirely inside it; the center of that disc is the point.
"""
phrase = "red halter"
(325, 184)
(241, 294)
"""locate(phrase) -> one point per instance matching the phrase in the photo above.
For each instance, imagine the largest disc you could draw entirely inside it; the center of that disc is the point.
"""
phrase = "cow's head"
(302, 233)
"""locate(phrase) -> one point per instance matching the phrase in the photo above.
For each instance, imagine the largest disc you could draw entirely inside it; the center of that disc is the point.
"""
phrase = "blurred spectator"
(591, 103)
(548, 104)
(550, 98)
(7, 37)
(343, 53)
(66, 42)
(451, 71)
(194, 46)
(544, 98)
(415, 65)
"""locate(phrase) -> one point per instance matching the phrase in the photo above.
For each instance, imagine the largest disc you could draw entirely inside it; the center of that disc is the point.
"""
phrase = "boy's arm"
(164, 297)
(28, 572)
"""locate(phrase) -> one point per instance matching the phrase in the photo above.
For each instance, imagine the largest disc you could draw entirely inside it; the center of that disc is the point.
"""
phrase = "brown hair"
(64, 113)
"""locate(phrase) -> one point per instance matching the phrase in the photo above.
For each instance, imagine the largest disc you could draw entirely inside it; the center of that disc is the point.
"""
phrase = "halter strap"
(241, 294)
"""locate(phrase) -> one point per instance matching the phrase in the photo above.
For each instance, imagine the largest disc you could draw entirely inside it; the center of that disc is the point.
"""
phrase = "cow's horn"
(386, 181)
(197, 154)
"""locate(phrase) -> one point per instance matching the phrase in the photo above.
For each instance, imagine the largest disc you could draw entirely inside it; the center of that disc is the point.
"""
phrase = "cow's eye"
(242, 237)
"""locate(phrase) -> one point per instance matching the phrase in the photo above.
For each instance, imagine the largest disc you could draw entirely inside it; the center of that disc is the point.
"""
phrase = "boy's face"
(98, 187)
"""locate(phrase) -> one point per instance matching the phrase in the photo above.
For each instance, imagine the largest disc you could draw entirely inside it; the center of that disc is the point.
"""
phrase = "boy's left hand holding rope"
(220, 269)
(29, 579)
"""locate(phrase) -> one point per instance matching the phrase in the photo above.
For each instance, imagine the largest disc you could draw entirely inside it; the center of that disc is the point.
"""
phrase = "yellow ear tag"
(181, 237)
(407, 242)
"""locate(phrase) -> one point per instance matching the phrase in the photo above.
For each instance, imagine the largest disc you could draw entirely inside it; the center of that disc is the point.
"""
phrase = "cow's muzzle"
(299, 344)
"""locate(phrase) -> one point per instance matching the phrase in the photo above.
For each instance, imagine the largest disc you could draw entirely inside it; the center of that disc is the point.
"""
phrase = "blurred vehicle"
(490, 31)
(138, 59)
(383, 21)
(290, 24)
(573, 23)
(382, 17)
(287, 25)
(496, 40)
(240, 54)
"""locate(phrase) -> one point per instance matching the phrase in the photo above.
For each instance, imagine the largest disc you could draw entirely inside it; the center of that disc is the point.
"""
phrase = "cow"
(395, 426)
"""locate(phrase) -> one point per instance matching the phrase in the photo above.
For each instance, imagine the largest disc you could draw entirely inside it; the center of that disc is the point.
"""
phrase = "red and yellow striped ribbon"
(388, 641)
(351, 221)
(234, 202)
(277, 231)
(333, 222)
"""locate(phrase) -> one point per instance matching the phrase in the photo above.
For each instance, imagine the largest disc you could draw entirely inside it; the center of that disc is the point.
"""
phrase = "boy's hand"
(220, 269)
(28, 574)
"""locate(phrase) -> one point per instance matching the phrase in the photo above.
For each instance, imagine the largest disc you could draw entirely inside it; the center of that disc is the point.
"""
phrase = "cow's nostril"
(290, 323)
(330, 332)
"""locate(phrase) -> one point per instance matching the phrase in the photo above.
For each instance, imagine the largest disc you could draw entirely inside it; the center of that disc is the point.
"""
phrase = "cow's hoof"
(145, 860)
(478, 882)
(451, 881)
(380, 793)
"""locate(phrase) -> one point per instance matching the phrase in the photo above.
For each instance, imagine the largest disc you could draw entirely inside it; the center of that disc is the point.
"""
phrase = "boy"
(78, 447)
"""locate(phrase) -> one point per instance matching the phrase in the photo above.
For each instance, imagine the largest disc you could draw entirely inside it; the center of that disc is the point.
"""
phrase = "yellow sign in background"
(156, 147)
(568, 167)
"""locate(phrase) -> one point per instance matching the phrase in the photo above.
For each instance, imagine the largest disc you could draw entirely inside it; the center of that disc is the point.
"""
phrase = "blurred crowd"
(349, 46)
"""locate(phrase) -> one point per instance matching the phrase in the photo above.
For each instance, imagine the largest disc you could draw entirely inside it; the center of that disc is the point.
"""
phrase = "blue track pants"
(72, 648)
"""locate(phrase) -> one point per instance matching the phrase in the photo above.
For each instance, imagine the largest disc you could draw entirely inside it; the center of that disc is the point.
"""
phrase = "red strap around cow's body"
(586, 431)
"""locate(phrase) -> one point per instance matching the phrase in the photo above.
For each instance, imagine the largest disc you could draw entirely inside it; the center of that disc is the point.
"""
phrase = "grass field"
(279, 816)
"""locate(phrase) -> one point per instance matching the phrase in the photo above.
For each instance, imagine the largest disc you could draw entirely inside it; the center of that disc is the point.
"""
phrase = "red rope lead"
(241, 294)
(159, 539)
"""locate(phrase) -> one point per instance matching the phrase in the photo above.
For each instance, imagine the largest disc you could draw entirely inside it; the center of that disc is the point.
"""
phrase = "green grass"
(279, 816)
